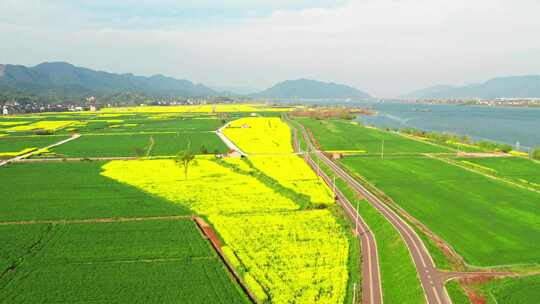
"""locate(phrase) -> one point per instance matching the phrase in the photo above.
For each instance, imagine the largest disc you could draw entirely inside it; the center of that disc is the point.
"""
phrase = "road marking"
(436, 295)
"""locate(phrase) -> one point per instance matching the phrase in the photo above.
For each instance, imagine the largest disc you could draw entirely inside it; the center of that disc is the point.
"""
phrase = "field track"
(371, 276)
(211, 236)
(99, 220)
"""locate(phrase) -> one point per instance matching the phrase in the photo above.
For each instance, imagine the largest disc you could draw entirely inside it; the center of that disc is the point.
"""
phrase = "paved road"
(5, 162)
(371, 277)
(430, 278)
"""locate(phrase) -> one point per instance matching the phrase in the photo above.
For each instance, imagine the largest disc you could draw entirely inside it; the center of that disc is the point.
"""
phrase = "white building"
(5, 111)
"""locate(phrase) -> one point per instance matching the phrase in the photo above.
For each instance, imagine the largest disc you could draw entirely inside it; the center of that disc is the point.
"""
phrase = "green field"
(145, 124)
(15, 144)
(72, 190)
(121, 145)
(136, 262)
(343, 135)
(524, 290)
(488, 222)
(514, 168)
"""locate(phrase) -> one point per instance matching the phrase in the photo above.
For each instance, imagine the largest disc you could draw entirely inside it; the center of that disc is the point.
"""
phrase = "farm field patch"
(260, 135)
(218, 108)
(514, 168)
(159, 144)
(488, 222)
(148, 124)
(292, 173)
(345, 135)
(512, 290)
(42, 125)
(286, 253)
(15, 144)
(72, 190)
(146, 261)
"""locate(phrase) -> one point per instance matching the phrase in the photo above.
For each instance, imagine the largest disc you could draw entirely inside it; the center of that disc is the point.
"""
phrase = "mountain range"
(65, 81)
(60, 78)
(502, 87)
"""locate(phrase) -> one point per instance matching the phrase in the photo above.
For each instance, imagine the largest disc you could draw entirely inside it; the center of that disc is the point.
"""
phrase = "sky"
(384, 47)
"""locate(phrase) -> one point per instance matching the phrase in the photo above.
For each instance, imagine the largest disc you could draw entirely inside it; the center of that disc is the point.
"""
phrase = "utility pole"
(357, 215)
(382, 149)
(334, 184)
(318, 165)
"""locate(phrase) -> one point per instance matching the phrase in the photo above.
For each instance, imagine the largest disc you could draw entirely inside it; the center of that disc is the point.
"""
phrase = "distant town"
(93, 104)
(506, 102)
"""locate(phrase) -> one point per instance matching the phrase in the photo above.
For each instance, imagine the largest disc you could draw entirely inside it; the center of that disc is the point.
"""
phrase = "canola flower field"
(260, 135)
(201, 109)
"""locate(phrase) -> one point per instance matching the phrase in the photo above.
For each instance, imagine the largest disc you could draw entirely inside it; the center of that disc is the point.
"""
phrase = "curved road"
(371, 277)
(429, 276)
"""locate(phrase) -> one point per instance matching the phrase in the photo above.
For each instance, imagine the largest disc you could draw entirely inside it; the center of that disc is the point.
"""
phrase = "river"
(501, 124)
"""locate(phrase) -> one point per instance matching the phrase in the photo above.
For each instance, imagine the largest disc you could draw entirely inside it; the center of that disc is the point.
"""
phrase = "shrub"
(43, 132)
(536, 153)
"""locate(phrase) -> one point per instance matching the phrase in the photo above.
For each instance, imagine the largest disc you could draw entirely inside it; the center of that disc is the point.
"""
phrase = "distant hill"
(509, 87)
(64, 79)
(306, 88)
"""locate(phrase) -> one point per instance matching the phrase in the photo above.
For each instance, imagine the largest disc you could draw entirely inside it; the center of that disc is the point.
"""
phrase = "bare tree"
(185, 158)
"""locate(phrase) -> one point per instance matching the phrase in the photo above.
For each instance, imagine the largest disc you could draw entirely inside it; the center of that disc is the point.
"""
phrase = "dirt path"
(450, 275)
(212, 236)
(371, 276)
(98, 220)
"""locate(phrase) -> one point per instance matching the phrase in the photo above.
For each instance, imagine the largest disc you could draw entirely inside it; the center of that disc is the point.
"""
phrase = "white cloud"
(384, 46)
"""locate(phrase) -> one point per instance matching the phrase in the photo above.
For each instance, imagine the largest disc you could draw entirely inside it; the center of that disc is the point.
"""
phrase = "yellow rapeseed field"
(298, 257)
(260, 135)
(210, 108)
(43, 125)
(209, 189)
(12, 123)
(292, 172)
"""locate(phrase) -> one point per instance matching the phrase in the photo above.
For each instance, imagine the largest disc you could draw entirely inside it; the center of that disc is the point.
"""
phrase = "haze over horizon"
(384, 47)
